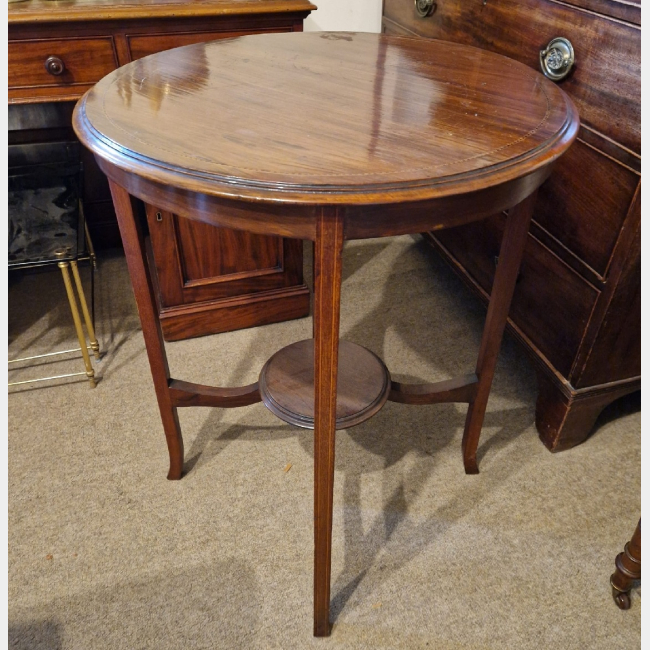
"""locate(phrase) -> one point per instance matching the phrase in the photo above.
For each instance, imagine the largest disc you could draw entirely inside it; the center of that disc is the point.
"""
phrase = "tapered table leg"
(512, 250)
(135, 251)
(628, 570)
(327, 295)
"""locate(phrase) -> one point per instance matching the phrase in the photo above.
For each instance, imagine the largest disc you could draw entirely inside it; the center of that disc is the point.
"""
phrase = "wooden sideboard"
(58, 50)
(577, 305)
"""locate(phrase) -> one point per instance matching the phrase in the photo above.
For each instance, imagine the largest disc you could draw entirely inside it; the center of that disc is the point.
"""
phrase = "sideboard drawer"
(72, 62)
(605, 82)
(144, 44)
(586, 212)
(541, 312)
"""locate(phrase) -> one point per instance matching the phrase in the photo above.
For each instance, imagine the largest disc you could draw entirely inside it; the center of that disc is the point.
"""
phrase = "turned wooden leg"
(134, 248)
(327, 296)
(628, 569)
(512, 250)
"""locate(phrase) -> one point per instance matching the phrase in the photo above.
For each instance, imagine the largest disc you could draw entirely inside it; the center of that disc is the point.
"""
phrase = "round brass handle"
(557, 58)
(425, 8)
(54, 65)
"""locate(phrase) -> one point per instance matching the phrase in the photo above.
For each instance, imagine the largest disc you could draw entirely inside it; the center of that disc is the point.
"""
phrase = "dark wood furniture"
(628, 570)
(577, 306)
(58, 50)
(341, 152)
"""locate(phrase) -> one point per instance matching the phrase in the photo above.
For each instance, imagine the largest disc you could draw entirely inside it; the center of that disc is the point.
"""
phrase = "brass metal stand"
(84, 347)
(47, 226)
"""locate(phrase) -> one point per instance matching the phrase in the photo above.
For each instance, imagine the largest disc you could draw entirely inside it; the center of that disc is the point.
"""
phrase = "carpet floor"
(105, 553)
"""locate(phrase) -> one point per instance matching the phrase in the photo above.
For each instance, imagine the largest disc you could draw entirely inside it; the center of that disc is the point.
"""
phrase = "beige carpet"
(105, 553)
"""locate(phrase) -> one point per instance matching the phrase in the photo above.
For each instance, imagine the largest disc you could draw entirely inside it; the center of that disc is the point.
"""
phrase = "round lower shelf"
(287, 384)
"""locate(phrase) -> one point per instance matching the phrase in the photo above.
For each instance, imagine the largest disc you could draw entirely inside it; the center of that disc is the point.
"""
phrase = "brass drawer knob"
(54, 65)
(425, 8)
(557, 58)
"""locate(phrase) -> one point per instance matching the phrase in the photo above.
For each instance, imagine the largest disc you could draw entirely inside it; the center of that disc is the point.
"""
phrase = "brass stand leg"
(93, 267)
(135, 251)
(327, 296)
(512, 250)
(91, 248)
(90, 373)
(628, 569)
(84, 308)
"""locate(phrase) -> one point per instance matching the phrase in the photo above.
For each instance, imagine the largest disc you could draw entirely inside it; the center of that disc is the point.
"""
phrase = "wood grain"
(603, 196)
(328, 264)
(85, 61)
(287, 384)
(141, 45)
(459, 389)
(628, 570)
(479, 124)
(606, 80)
(565, 416)
(185, 393)
(143, 288)
(44, 11)
(512, 250)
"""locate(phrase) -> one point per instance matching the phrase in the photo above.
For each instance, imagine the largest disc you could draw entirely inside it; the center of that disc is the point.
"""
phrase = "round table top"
(325, 117)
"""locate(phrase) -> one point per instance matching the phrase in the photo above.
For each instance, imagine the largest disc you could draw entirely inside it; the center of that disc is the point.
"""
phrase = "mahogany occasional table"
(326, 137)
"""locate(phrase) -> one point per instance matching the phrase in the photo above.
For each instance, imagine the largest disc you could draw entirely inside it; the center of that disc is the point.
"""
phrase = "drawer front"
(584, 203)
(551, 305)
(605, 82)
(144, 44)
(82, 62)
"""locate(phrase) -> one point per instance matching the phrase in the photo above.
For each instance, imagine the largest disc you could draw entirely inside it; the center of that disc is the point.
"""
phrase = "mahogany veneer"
(340, 152)
(628, 570)
(287, 384)
(576, 307)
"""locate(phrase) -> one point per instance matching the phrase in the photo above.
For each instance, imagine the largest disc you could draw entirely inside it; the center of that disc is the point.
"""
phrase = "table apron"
(360, 221)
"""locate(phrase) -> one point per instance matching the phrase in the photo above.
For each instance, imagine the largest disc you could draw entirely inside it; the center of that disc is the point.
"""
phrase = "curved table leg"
(134, 248)
(628, 569)
(512, 250)
(327, 296)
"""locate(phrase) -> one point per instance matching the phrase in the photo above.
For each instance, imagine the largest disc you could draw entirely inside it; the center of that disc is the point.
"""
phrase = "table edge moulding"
(488, 133)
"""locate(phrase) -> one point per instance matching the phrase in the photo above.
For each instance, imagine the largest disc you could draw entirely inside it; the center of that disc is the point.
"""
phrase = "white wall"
(345, 16)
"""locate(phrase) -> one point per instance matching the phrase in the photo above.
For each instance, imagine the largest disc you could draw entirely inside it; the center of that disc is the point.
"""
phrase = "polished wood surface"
(576, 307)
(208, 280)
(365, 144)
(287, 384)
(605, 83)
(45, 11)
(512, 250)
(145, 297)
(328, 137)
(628, 570)
(81, 62)
(202, 270)
(92, 37)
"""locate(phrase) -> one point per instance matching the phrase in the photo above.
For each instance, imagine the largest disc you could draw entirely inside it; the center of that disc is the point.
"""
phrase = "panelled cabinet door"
(214, 279)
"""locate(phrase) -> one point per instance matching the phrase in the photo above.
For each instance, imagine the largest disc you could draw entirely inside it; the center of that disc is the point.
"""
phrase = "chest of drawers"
(208, 279)
(577, 305)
